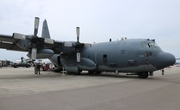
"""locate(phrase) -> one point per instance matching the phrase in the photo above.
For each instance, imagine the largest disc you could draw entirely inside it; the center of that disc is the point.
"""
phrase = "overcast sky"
(98, 20)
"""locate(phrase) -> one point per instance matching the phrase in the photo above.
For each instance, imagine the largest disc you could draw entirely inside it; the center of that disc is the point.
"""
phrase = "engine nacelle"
(23, 44)
(87, 64)
(43, 53)
(68, 50)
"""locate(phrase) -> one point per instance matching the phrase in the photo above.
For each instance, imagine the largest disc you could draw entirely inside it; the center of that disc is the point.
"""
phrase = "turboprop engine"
(43, 53)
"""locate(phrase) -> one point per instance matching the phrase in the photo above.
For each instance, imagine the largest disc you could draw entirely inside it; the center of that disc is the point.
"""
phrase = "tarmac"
(21, 89)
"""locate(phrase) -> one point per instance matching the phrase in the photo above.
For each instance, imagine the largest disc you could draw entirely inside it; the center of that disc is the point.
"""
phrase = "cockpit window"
(152, 45)
(147, 44)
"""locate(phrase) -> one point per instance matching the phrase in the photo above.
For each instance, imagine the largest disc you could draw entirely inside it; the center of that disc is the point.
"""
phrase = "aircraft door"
(145, 59)
(101, 59)
(104, 58)
(58, 60)
(148, 58)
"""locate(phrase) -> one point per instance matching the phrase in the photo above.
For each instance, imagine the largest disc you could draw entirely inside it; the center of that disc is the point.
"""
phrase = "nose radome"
(165, 59)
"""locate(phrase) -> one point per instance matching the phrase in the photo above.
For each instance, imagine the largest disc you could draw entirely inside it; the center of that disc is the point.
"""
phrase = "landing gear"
(90, 72)
(74, 73)
(143, 75)
(97, 72)
(78, 73)
(94, 72)
(151, 73)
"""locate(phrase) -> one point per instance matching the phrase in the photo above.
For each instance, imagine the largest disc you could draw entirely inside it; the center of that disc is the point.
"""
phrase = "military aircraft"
(139, 56)
(21, 63)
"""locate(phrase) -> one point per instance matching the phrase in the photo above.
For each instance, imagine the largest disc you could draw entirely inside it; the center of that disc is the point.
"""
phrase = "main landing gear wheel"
(94, 72)
(74, 73)
(78, 73)
(98, 72)
(143, 75)
(90, 72)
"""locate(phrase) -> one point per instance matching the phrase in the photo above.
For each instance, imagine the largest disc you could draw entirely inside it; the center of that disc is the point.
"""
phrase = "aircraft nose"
(165, 59)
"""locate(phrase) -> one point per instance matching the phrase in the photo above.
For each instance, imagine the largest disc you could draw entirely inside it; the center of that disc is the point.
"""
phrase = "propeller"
(77, 45)
(78, 54)
(34, 49)
(33, 39)
(33, 54)
(36, 26)
(77, 32)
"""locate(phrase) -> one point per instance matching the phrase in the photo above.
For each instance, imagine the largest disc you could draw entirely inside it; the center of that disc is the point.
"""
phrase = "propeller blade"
(78, 57)
(18, 36)
(33, 54)
(77, 32)
(36, 26)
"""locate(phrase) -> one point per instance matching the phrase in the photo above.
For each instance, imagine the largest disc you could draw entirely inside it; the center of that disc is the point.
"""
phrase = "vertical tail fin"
(45, 30)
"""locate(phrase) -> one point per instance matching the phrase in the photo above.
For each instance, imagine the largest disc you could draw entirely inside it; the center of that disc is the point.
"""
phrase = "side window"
(58, 60)
(105, 58)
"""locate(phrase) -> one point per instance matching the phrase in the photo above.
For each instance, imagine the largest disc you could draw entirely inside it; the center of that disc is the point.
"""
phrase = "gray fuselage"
(129, 55)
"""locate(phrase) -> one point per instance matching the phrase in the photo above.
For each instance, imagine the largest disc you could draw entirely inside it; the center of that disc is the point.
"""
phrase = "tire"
(90, 72)
(143, 75)
(98, 72)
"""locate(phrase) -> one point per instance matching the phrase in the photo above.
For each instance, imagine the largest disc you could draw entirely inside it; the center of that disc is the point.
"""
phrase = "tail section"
(45, 30)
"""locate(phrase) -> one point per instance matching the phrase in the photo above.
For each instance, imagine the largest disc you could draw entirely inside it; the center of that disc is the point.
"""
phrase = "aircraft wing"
(10, 46)
(8, 42)
(56, 47)
(7, 38)
(40, 45)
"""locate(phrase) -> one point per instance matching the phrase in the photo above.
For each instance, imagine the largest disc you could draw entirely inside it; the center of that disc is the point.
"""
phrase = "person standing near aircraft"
(43, 66)
(37, 67)
(163, 71)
